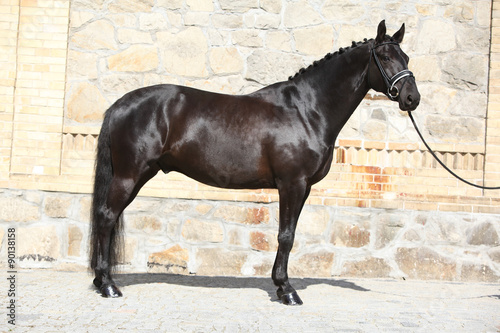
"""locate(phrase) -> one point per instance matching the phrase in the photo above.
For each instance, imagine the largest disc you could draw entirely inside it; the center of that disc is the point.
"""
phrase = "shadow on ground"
(265, 284)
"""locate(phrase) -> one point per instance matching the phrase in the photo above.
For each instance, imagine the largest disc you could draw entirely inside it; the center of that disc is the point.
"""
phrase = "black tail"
(102, 181)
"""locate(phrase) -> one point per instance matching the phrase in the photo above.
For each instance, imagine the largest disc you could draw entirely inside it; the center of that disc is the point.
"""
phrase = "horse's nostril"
(410, 99)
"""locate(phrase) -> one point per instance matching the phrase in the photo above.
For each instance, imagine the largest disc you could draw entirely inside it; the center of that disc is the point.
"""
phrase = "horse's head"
(388, 70)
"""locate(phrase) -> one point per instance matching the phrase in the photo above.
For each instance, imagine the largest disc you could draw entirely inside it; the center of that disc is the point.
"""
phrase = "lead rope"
(442, 164)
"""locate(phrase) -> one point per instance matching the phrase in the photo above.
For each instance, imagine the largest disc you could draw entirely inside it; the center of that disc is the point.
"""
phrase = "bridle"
(390, 82)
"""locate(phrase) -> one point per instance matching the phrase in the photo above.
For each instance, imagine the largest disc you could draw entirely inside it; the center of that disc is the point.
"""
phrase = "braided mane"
(328, 57)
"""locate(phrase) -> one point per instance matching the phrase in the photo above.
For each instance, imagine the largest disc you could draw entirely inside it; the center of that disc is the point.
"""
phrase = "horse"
(281, 136)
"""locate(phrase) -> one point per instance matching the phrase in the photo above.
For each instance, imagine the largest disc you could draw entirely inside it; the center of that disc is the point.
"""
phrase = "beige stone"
(368, 268)
(137, 58)
(119, 84)
(425, 68)
(249, 38)
(317, 264)
(133, 6)
(202, 231)
(57, 206)
(84, 211)
(201, 19)
(388, 227)
(338, 11)
(350, 234)
(75, 237)
(173, 260)
(483, 234)
(375, 130)
(203, 208)
(264, 241)
(132, 36)
(271, 6)
(267, 21)
(97, 35)
(82, 65)
(436, 36)
(215, 261)
(315, 41)
(39, 243)
(200, 5)
(227, 21)
(278, 40)
(267, 67)
(18, 210)
(152, 21)
(78, 18)
(238, 6)
(148, 224)
(349, 33)
(225, 60)
(478, 273)
(300, 14)
(184, 53)
(424, 263)
(85, 103)
(242, 214)
(313, 221)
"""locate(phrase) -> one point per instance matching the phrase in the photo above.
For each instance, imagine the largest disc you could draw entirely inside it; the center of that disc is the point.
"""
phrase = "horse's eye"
(386, 58)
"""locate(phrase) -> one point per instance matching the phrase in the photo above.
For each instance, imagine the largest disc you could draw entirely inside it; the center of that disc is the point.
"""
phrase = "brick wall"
(64, 62)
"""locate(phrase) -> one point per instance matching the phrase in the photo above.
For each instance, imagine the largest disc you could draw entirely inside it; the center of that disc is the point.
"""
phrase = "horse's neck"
(339, 88)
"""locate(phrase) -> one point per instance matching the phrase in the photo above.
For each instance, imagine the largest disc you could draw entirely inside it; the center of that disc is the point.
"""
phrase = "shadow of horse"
(229, 282)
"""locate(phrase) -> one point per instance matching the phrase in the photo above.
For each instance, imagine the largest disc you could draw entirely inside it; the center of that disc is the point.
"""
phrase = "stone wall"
(209, 237)
(385, 209)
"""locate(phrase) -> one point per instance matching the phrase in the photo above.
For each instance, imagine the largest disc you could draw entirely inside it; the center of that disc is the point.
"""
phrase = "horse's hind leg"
(292, 199)
(121, 193)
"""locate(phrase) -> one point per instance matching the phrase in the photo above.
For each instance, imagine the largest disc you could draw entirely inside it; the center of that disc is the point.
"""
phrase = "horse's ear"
(398, 36)
(381, 30)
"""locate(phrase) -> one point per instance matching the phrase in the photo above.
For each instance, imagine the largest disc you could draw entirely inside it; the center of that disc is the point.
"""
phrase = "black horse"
(281, 136)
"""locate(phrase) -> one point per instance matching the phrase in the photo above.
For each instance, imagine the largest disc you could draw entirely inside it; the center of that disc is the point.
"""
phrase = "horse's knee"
(285, 241)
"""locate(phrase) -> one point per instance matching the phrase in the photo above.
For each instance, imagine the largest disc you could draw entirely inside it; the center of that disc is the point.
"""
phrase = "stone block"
(203, 208)
(97, 35)
(340, 11)
(368, 268)
(134, 6)
(217, 261)
(137, 58)
(39, 243)
(225, 60)
(315, 41)
(317, 264)
(85, 103)
(435, 36)
(248, 38)
(388, 226)
(202, 231)
(148, 224)
(350, 234)
(300, 14)
(313, 221)
(184, 53)
(58, 207)
(278, 40)
(18, 210)
(426, 264)
(439, 231)
(75, 237)
(242, 214)
(152, 21)
(478, 273)
(271, 6)
(133, 36)
(173, 260)
(238, 6)
(264, 241)
(200, 5)
(483, 234)
(81, 65)
(84, 209)
(267, 67)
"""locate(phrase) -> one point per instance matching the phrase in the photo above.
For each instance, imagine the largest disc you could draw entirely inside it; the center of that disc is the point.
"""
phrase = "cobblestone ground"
(54, 301)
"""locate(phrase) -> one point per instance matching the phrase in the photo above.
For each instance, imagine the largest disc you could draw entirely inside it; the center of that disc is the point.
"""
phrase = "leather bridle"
(390, 82)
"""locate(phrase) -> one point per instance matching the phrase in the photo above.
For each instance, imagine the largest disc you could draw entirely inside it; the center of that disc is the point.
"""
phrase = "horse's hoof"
(110, 290)
(290, 298)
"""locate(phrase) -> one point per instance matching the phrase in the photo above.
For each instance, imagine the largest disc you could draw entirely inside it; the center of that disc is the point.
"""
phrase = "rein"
(390, 84)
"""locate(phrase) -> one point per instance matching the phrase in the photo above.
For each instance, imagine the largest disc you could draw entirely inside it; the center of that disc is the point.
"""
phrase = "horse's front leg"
(292, 199)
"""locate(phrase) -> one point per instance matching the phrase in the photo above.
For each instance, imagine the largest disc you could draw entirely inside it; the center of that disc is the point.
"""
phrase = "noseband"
(392, 90)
